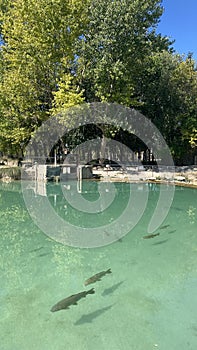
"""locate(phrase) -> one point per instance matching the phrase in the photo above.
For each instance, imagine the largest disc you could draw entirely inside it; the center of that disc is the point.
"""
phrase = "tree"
(37, 50)
(57, 54)
(119, 35)
(118, 38)
(168, 92)
(67, 95)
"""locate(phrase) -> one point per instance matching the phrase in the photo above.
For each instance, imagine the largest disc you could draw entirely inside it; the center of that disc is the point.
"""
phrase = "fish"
(151, 236)
(44, 254)
(178, 209)
(172, 231)
(106, 233)
(36, 250)
(165, 226)
(96, 277)
(71, 300)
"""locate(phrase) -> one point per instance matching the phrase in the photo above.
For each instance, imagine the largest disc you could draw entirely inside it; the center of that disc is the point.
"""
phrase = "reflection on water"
(150, 297)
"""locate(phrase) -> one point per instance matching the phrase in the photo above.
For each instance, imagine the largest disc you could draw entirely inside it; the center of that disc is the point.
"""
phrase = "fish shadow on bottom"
(161, 242)
(88, 318)
(112, 289)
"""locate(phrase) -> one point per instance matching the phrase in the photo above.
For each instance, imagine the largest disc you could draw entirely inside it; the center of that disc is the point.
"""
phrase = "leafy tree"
(119, 35)
(184, 80)
(167, 88)
(57, 54)
(109, 54)
(38, 48)
(67, 95)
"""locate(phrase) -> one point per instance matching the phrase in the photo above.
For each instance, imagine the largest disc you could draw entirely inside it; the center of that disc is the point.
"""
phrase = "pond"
(147, 302)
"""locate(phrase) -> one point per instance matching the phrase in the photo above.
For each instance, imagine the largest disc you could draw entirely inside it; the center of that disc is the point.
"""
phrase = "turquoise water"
(148, 302)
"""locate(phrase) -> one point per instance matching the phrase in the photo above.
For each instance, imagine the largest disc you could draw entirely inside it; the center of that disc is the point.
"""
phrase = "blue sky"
(179, 22)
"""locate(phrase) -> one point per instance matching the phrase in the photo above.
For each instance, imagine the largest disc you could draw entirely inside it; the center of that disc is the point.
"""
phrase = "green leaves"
(67, 95)
(116, 42)
(36, 55)
(57, 54)
(168, 90)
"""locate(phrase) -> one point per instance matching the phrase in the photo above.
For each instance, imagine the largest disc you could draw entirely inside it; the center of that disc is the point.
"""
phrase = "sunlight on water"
(148, 302)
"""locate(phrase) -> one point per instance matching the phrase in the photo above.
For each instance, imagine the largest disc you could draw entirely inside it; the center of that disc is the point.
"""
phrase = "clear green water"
(148, 302)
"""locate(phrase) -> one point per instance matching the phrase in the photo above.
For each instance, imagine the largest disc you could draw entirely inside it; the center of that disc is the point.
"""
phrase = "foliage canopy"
(56, 54)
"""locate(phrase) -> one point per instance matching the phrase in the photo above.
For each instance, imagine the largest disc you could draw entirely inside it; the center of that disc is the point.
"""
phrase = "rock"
(179, 178)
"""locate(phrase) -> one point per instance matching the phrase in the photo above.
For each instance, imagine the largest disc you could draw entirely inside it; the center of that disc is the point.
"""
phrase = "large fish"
(97, 277)
(71, 300)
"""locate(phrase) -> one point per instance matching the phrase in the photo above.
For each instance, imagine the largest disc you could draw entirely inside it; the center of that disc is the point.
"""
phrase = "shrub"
(11, 172)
